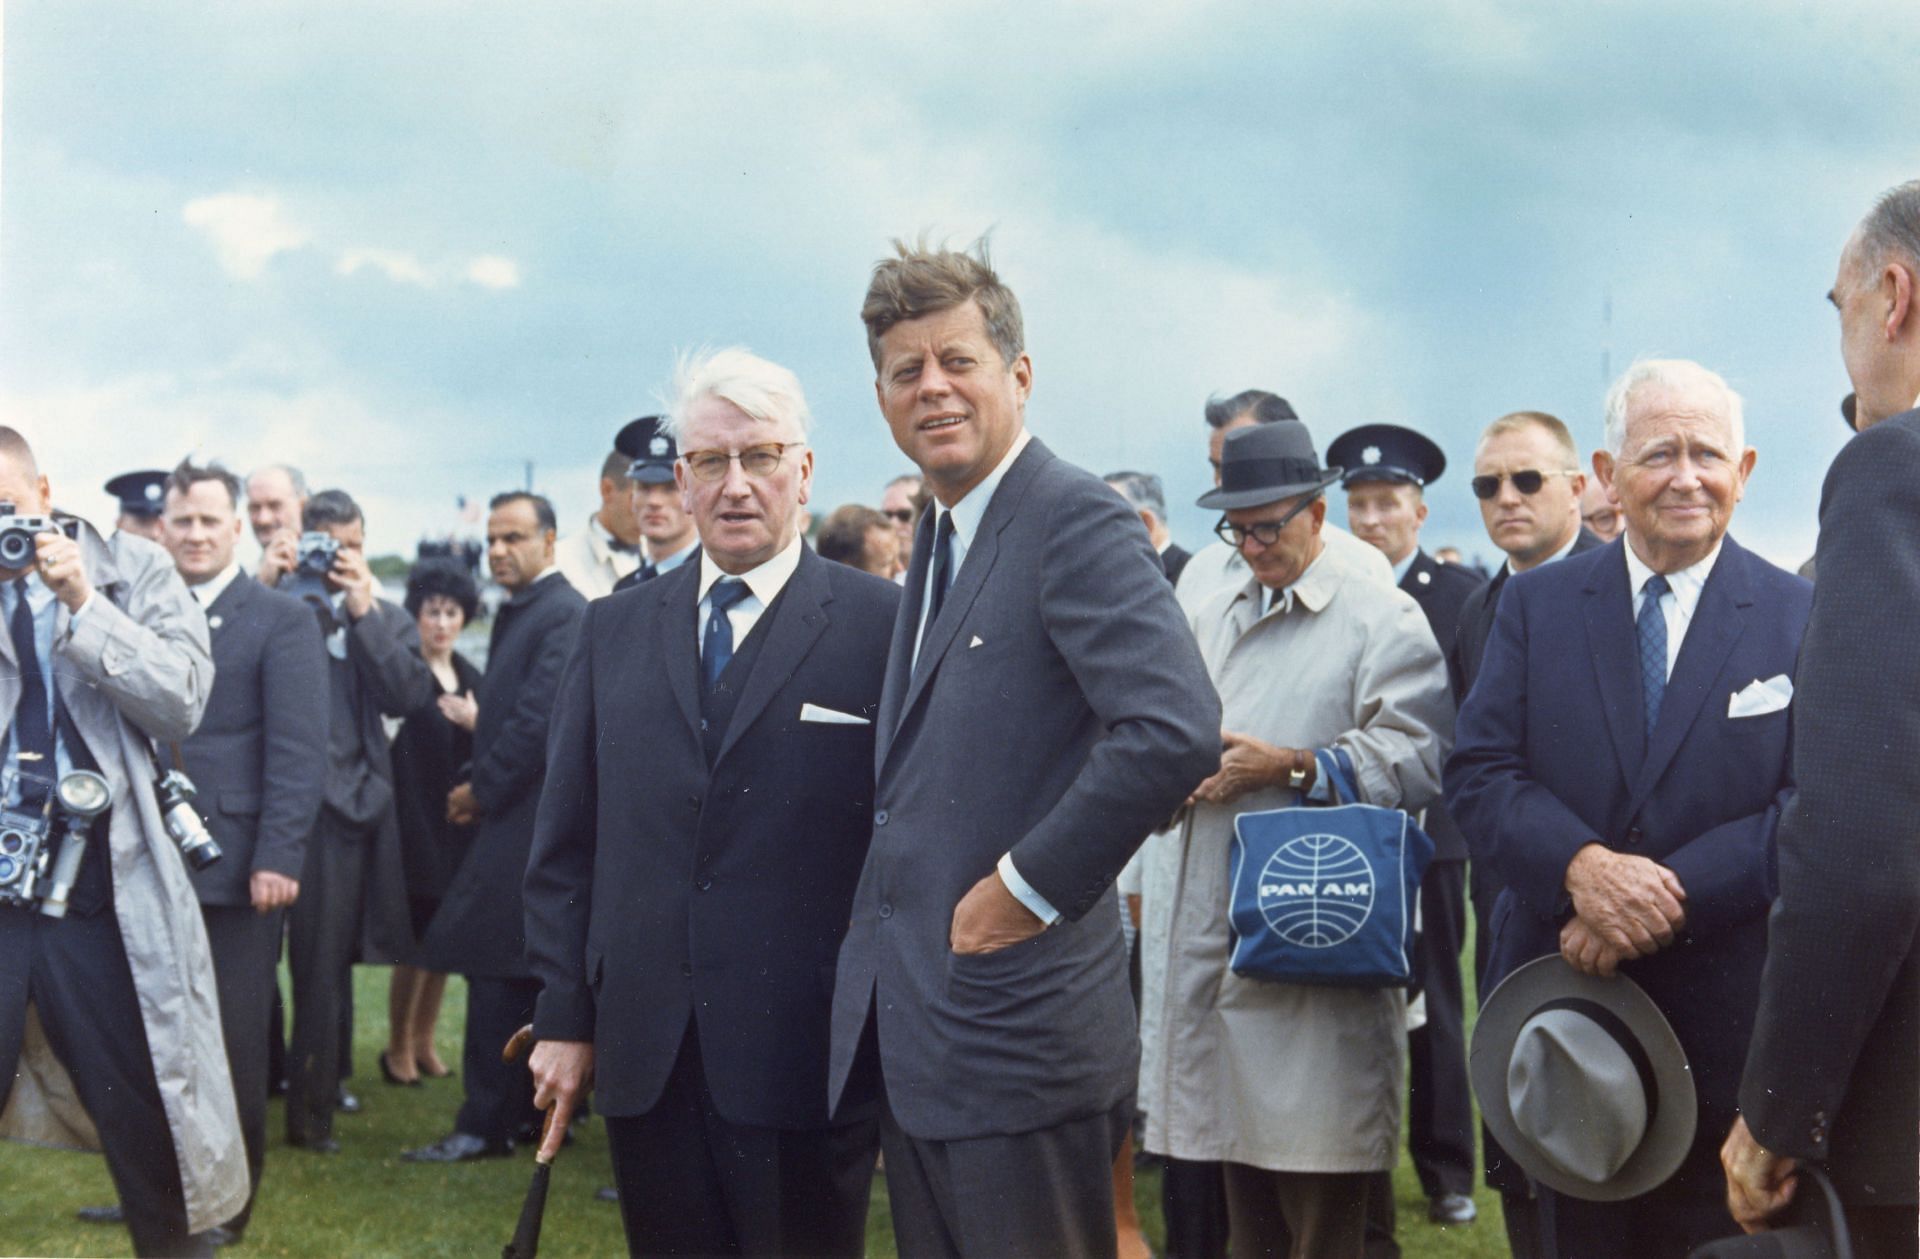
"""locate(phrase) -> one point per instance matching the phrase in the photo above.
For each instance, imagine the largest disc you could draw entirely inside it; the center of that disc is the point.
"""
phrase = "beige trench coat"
(1277, 1076)
(138, 660)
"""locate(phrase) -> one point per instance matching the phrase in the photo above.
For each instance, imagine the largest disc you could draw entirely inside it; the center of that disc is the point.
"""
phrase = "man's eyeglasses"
(755, 461)
(1528, 482)
(899, 515)
(1265, 532)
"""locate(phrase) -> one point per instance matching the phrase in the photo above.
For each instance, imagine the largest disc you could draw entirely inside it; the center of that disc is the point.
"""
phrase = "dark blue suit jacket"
(1550, 755)
(662, 887)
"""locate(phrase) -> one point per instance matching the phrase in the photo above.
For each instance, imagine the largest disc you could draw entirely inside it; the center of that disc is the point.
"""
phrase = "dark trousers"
(692, 1182)
(499, 1094)
(1047, 1194)
(246, 950)
(323, 928)
(74, 971)
(1296, 1215)
(1439, 1098)
(1689, 1210)
(1193, 1200)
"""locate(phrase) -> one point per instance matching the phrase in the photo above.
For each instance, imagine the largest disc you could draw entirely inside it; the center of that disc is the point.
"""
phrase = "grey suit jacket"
(259, 756)
(1059, 710)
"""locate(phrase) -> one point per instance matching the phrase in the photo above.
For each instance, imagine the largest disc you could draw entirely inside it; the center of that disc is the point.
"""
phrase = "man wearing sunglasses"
(898, 505)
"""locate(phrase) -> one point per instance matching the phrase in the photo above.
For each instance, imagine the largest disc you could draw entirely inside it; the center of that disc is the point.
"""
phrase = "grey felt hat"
(1583, 1082)
(1267, 463)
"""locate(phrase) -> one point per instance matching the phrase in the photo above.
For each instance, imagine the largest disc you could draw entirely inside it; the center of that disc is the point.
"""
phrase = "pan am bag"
(1326, 895)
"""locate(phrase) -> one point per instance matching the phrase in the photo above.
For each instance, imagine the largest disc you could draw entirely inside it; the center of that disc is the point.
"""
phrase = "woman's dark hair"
(442, 577)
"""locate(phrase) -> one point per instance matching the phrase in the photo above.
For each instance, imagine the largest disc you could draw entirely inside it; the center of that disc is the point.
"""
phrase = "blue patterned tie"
(1653, 649)
(33, 717)
(718, 646)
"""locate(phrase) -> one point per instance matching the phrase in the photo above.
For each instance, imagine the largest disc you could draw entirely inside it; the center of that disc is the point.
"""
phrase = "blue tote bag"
(1326, 895)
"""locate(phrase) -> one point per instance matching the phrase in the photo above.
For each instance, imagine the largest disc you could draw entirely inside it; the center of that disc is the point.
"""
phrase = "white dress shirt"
(1400, 568)
(1561, 554)
(215, 586)
(763, 583)
(1678, 604)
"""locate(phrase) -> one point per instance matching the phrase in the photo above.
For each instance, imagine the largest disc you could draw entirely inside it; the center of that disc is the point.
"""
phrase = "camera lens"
(8, 868)
(15, 547)
(12, 841)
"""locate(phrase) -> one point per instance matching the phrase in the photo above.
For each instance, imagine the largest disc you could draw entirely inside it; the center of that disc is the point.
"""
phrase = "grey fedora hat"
(1583, 1082)
(1267, 463)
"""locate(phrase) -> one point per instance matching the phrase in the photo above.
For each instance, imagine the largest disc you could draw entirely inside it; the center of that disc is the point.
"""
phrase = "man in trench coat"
(122, 658)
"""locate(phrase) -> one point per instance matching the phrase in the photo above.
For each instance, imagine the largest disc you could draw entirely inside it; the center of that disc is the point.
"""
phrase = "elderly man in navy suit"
(1650, 853)
(1045, 707)
(708, 804)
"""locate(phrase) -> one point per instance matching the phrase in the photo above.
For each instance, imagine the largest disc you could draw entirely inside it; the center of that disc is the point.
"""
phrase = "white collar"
(765, 582)
(1561, 554)
(1400, 569)
(668, 563)
(972, 507)
(1685, 584)
(215, 586)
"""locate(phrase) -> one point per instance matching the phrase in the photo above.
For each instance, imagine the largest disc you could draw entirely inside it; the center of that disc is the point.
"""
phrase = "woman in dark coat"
(430, 754)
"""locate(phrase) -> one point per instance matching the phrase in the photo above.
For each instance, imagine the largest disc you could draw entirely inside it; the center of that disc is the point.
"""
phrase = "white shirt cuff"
(1024, 893)
(1320, 792)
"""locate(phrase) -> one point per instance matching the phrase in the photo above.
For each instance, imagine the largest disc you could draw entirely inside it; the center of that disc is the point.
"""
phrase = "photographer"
(352, 891)
(105, 649)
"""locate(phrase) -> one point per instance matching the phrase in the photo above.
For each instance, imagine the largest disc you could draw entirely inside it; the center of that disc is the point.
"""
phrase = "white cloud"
(491, 271)
(396, 264)
(247, 230)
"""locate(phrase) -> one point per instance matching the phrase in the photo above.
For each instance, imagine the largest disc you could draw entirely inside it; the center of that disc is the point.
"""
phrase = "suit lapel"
(679, 641)
(893, 689)
(1718, 621)
(1614, 647)
(231, 603)
(795, 624)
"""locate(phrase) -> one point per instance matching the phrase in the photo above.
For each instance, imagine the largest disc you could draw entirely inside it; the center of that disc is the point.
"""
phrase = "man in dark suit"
(352, 896)
(708, 805)
(1649, 851)
(1147, 496)
(1386, 471)
(477, 930)
(1045, 707)
(256, 759)
(1832, 1073)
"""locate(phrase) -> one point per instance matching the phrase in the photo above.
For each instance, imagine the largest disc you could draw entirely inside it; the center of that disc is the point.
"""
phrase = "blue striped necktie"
(1653, 649)
(718, 647)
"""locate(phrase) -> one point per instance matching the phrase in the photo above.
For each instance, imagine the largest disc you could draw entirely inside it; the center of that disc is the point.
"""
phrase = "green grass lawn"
(365, 1202)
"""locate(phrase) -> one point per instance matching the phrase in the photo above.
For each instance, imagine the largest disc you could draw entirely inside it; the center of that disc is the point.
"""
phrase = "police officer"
(667, 535)
(142, 498)
(1387, 469)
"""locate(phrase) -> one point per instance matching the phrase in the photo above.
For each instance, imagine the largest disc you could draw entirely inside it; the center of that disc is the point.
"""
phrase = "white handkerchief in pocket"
(1761, 698)
(830, 716)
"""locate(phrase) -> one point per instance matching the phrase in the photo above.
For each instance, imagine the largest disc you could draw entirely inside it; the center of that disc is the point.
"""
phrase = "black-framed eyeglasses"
(1528, 481)
(755, 461)
(899, 515)
(1265, 532)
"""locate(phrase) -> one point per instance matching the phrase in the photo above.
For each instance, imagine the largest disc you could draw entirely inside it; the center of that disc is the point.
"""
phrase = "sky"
(422, 249)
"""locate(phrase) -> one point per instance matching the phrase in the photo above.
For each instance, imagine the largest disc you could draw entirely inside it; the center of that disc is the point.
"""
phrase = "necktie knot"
(1656, 586)
(726, 592)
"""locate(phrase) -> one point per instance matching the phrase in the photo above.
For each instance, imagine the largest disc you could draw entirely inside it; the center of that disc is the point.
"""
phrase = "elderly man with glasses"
(707, 810)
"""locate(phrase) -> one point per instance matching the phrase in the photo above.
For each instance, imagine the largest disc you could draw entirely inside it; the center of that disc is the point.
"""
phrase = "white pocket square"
(977, 640)
(1760, 698)
(830, 716)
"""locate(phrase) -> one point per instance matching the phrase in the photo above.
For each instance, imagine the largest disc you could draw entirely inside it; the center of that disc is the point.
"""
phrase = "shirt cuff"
(1320, 792)
(1024, 893)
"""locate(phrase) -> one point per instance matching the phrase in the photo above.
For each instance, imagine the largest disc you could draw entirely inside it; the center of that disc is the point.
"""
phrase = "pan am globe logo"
(1316, 891)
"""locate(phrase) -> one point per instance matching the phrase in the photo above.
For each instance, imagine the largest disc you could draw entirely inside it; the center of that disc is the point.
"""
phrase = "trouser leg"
(1193, 1200)
(1439, 1097)
(322, 927)
(1324, 1212)
(246, 947)
(499, 1095)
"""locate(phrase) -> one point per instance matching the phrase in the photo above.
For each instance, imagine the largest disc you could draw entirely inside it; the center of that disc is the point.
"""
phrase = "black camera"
(316, 552)
(24, 850)
(29, 843)
(176, 792)
(17, 534)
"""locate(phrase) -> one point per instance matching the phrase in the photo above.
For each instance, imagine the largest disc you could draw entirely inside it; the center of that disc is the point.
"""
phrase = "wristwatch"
(1297, 776)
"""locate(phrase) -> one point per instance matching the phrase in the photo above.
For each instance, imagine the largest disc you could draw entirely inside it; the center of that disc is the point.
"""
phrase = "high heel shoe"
(388, 1074)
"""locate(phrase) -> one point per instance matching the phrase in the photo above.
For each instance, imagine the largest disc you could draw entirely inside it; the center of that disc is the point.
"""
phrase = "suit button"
(703, 883)
(686, 968)
(880, 818)
(693, 802)
(1635, 837)
(886, 911)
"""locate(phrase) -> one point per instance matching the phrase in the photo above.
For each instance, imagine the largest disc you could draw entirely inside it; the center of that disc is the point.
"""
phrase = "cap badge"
(657, 447)
(1370, 456)
(152, 492)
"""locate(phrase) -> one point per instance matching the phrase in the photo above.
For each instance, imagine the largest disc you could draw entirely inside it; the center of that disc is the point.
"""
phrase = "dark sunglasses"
(1528, 482)
(1265, 532)
(900, 514)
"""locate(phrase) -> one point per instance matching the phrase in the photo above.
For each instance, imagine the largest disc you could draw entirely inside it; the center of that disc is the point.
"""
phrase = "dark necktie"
(32, 719)
(942, 578)
(717, 646)
(647, 573)
(1653, 649)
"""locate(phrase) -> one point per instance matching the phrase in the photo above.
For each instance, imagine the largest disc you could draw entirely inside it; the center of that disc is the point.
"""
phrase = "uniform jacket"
(1835, 1062)
(1551, 756)
(135, 666)
(590, 564)
(1441, 590)
(478, 927)
(258, 754)
(1058, 710)
(1282, 1076)
(664, 886)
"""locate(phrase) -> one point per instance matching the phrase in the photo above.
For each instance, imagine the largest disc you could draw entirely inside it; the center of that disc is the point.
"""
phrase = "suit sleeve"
(385, 645)
(293, 677)
(515, 757)
(1403, 715)
(1728, 873)
(1849, 864)
(1111, 615)
(558, 889)
(1513, 823)
(152, 659)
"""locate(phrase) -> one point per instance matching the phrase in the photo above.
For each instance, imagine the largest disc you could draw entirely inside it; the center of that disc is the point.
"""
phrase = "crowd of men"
(917, 842)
